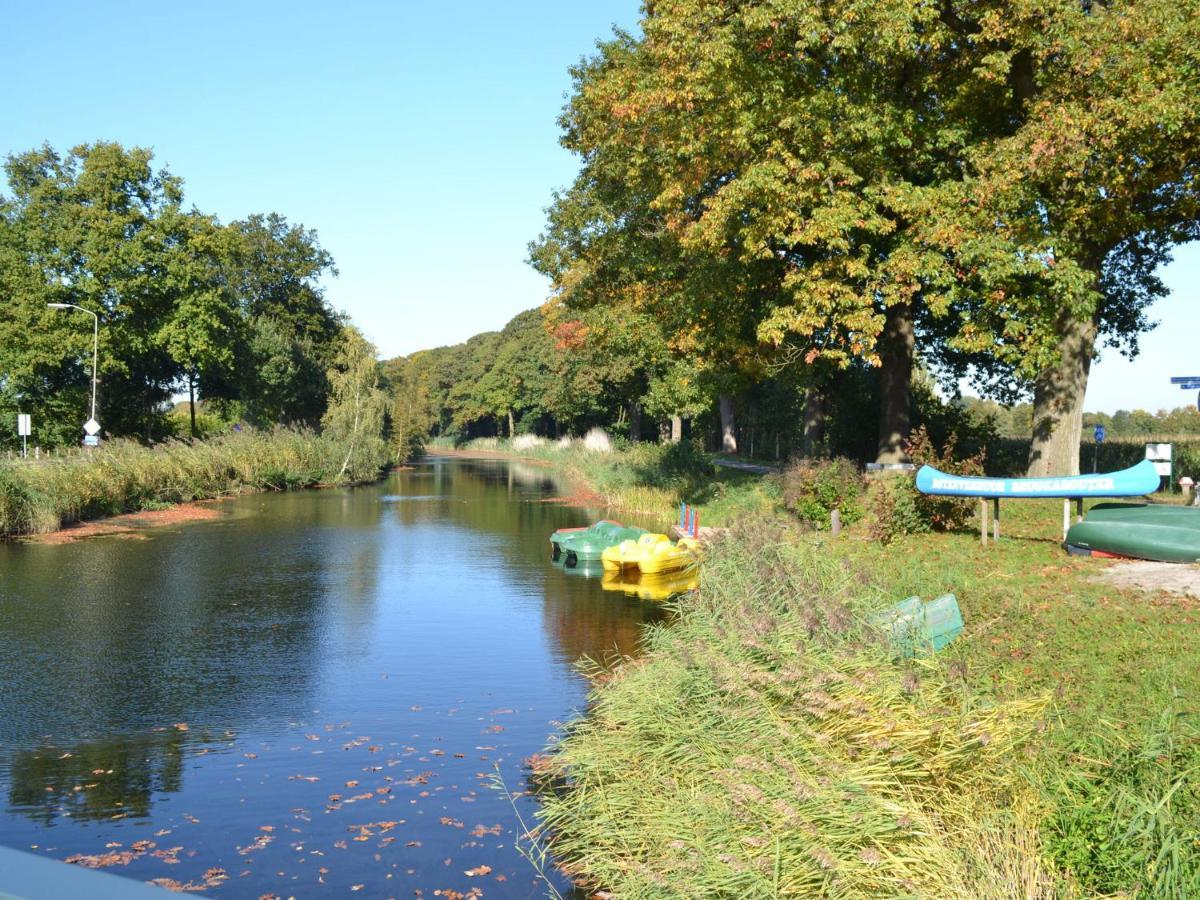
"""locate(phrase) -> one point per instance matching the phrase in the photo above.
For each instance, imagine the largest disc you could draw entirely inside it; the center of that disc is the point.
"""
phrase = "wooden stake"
(995, 518)
(983, 521)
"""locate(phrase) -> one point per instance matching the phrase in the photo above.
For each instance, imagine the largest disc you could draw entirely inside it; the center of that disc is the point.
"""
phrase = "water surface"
(312, 694)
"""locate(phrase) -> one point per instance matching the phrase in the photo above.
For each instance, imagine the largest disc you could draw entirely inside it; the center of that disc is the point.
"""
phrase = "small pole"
(995, 518)
(1078, 509)
(983, 521)
(1066, 516)
(835, 522)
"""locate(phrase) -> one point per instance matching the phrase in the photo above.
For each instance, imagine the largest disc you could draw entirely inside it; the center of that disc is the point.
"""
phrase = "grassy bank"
(766, 744)
(649, 480)
(43, 496)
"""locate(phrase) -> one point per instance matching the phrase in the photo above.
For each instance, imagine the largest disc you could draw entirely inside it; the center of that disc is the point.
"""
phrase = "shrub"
(899, 508)
(812, 489)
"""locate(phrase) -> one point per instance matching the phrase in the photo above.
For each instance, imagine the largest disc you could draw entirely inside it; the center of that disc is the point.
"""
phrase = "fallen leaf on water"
(351, 784)
(453, 823)
(478, 870)
(180, 726)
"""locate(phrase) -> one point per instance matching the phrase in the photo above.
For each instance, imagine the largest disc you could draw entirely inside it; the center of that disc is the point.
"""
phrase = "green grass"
(123, 476)
(767, 744)
(1099, 794)
(651, 480)
(677, 781)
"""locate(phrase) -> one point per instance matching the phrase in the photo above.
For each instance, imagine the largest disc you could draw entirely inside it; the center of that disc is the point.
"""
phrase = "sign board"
(1161, 455)
(92, 427)
(1100, 434)
(1186, 379)
(24, 425)
(91, 441)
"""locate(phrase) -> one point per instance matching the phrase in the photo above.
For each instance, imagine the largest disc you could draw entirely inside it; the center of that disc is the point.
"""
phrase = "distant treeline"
(231, 313)
(533, 377)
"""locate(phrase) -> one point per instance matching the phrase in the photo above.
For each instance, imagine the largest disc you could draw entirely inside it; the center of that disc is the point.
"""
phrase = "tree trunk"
(814, 421)
(511, 426)
(896, 347)
(676, 429)
(1058, 403)
(192, 401)
(728, 430)
(635, 420)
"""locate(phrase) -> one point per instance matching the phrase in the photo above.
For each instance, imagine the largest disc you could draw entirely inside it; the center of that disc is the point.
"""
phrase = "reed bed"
(768, 743)
(124, 476)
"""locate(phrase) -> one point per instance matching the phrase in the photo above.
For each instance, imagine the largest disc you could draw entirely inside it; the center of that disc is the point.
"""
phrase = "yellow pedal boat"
(655, 588)
(651, 554)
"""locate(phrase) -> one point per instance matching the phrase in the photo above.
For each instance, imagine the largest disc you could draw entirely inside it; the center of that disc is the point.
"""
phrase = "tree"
(88, 229)
(867, 181)
(357, 404)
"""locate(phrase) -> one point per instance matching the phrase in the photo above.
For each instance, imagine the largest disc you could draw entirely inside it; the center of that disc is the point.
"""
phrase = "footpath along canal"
(308, 696)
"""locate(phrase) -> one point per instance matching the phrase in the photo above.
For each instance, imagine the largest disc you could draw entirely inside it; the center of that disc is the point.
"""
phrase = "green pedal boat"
(581, 545)
(1138, 530)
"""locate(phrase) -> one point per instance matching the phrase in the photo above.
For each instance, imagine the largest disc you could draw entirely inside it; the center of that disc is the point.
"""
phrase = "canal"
(314, 694)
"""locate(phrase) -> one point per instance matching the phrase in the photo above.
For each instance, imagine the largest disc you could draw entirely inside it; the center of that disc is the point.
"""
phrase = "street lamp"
(95, 346)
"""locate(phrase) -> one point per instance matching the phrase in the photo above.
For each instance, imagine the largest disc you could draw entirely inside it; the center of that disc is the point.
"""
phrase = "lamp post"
(95, 347)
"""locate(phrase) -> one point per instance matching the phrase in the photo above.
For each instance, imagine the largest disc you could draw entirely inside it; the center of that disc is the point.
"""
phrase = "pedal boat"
(651, 554)
(580, 545)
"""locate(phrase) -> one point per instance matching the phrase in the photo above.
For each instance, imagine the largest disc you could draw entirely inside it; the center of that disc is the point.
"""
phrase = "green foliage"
(895, 508)
(232, 312)
(1129, 822)
(812, 489)
(764, 744)
(357, 405)
(124, 477)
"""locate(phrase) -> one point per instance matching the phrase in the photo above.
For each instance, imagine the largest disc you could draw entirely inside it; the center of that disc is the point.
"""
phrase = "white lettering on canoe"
(1050, 487)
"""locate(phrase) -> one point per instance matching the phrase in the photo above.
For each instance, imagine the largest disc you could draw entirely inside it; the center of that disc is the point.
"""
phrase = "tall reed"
(124, 476)
(769, 744)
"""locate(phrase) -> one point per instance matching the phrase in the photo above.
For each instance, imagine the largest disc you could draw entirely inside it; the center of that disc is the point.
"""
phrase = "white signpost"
(24, 429)
(1162, 456)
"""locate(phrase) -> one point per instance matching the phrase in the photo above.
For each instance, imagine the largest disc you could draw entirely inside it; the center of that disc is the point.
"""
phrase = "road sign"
(24, 425)
(92, 427)
(1100, 434)
(91, 441)
(1186, 379)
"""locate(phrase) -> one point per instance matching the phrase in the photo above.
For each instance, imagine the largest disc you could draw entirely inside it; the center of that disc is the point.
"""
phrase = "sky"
(421, 144)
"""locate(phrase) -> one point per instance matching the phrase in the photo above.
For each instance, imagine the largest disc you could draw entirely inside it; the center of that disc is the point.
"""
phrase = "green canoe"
(1143, 531)
(576, 545)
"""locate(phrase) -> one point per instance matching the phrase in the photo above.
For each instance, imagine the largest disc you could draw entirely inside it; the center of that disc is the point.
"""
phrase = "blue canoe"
(1133, 482)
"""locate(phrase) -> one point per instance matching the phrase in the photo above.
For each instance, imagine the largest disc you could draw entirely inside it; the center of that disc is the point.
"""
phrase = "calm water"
(312, 693)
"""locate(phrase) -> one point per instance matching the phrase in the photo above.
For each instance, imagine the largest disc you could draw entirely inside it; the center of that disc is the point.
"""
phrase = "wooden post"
(983, 521)
(835, 522)
(995, 518)
(1078, 509)
(1066, 516)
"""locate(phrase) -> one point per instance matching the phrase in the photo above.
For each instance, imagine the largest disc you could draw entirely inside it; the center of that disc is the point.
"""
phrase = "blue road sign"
(1101, 433)
(1185, 379)
(91, 440)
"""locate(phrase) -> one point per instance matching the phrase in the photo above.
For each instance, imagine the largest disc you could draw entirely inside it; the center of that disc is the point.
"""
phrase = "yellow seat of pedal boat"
(651, 554)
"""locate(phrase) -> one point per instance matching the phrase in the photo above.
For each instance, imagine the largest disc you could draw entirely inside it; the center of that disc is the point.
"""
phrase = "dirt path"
(1174, 578)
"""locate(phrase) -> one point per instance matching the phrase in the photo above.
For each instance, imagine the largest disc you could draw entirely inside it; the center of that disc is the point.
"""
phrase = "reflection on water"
(310, 664)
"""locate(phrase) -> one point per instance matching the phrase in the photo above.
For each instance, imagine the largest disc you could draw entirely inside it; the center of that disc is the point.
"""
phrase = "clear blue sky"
(421, 142)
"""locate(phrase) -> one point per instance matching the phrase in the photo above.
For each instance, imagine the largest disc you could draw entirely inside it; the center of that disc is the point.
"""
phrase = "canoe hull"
(1167, 534)
(1133, 482)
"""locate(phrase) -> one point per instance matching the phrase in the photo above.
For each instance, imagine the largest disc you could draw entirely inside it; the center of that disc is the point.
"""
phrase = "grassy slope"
(126, 477)
(1112, 772)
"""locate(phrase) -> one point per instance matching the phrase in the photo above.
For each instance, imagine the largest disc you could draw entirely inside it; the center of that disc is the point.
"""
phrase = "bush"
(812, 489)
(899, 508)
